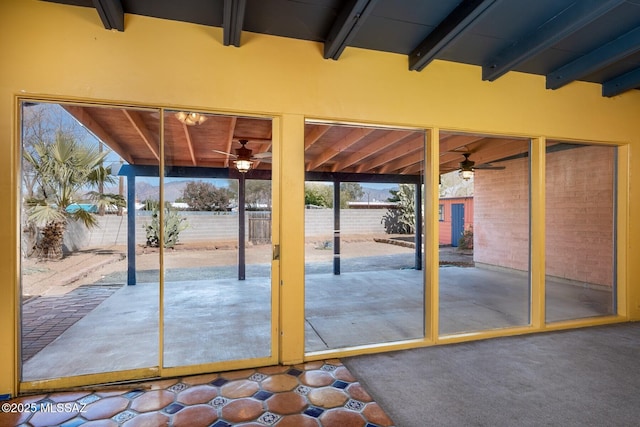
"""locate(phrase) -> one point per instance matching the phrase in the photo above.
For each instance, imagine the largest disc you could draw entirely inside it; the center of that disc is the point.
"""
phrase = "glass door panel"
(580, 230)
(89, 289)
(217, 225)
(364, 282)
(484, 233)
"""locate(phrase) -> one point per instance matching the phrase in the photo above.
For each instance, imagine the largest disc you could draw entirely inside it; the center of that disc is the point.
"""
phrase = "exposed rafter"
(187, 136)
(485, 150)
(145, 134)
(620, 84)
(346, 26)
(384, 142)
(600, 58)
(315, 134)
(84, 116)
(403, 162)
(229, 138)
(457, 143)
(447, 31)
(408, 145)
(111, 13)
(232, 21)
(548, 34)
(354, 136)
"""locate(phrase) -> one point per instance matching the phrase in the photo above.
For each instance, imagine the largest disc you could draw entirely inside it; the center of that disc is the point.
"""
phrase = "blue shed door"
(457, 222)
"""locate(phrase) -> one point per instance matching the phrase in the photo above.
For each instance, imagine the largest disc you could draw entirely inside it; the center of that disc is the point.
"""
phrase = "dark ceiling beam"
(190, 172)
(600, 58)
(232, 21)
(111, 13)
(565, 23)
(620, 84)
(346, 26)
(459, 20)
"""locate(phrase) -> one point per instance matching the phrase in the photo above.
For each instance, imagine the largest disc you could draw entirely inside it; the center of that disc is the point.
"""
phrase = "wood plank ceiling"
(329, 148)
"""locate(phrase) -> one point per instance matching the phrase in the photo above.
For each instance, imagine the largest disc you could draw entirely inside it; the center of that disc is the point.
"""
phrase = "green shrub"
(466, 240)
(401, 219)
(174, 223)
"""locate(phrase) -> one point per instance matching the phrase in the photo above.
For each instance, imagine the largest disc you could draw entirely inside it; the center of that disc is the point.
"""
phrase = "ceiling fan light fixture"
(466, 167)
(466, 174)
(191, 118)
(243, 165)
(243, 162)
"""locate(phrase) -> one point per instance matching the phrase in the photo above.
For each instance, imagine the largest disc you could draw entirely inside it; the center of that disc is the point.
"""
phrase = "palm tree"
(64, 169)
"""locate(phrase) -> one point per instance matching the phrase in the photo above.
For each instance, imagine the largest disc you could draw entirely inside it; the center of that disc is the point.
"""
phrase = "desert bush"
(174, 223)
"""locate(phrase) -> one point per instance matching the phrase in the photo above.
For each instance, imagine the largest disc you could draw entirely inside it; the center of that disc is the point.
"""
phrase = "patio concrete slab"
(205, 321)
(209, 320)
(363, 308)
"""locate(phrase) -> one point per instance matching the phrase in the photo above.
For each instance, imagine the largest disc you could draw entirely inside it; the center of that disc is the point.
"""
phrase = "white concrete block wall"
(319, 222)
(209, 226)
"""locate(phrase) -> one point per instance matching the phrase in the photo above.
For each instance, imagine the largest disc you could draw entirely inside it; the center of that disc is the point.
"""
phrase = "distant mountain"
(376, 194)
(146, 190)
(174, 189)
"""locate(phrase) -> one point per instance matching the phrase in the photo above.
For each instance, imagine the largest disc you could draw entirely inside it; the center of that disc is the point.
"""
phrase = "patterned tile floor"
(314, 394)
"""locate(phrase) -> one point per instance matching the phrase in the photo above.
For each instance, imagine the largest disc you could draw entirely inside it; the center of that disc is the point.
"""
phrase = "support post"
(336, 228)
(241, 229)
(131, 228)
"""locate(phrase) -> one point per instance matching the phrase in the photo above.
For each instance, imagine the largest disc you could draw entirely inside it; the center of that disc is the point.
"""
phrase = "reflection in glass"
(78, 226)
(580, 228)
(484, 233)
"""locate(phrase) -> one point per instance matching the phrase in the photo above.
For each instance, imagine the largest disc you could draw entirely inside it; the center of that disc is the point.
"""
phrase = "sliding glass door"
(364, 278)
(83, 241)
(146, 243)
(484, 233)
(217, 264)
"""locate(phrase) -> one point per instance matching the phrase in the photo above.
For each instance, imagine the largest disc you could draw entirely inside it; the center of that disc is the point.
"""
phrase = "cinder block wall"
(579, 219)
(208, 226)
(501, 216)
(319, 222)
(580, 214)
(112, 229)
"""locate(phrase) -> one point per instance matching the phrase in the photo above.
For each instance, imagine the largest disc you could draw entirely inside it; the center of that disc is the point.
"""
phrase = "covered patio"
(201, 145)
(376, 299)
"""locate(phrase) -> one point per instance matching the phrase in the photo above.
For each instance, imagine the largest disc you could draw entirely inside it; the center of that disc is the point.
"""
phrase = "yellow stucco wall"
(63, 51)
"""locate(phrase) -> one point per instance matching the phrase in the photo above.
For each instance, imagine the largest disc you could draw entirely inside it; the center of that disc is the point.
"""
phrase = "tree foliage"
(63, 172)
(257, 193)
(321, 194)
(41, 123)
(350, 192)
(316, 194)
(204, 196)
(402, 218)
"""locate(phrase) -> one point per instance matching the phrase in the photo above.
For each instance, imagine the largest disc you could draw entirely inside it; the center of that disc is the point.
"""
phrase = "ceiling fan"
(467, 167)
(244, 157)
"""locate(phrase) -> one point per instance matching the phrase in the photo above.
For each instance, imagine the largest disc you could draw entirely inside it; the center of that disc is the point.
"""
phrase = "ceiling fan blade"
(489, 166)
(262, 159)
(263, 155)
(225, 153)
